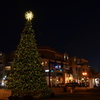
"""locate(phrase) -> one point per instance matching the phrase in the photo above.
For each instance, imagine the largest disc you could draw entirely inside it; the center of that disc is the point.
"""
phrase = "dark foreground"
(81, 94)
(88, 94)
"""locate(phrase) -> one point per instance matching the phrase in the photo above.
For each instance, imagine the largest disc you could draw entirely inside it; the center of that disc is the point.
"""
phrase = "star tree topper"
(29, 15)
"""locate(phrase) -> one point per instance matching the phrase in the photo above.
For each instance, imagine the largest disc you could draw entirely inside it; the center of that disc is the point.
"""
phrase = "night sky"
(67, 26)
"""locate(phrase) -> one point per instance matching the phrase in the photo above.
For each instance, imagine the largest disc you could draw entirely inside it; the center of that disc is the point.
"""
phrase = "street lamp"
(84, 74)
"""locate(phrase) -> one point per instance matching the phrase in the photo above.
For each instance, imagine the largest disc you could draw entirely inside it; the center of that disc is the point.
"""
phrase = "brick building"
(80, 69)
(58, 67)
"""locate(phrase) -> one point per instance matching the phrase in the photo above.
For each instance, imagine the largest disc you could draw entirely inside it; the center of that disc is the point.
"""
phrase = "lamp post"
(84, 74)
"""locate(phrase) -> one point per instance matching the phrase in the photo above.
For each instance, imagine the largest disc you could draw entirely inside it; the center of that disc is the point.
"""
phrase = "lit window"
(64, 57)
(56, 66)
(45, 63)
(0, 54)
(74, 59)
(42, 63)
(46, 70)
(59, 66)
(8, 68)
(60, 69)
(52, 70)
(67, 57)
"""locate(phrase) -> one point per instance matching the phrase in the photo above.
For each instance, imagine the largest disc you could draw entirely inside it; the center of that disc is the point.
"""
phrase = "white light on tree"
(29, 15)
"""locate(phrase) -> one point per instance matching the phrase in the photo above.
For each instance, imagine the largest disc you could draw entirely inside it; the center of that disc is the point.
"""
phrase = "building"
(58, 67)
(55, 65)
(2, 66)
(80, 70)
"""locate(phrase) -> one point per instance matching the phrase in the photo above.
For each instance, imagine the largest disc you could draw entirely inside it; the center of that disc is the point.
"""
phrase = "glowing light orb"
(29, 15)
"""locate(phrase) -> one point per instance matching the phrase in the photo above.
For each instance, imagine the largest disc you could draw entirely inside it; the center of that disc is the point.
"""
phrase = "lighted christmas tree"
(27, 75)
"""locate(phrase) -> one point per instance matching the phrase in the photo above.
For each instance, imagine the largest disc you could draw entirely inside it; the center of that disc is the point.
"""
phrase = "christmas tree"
(27, 75)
